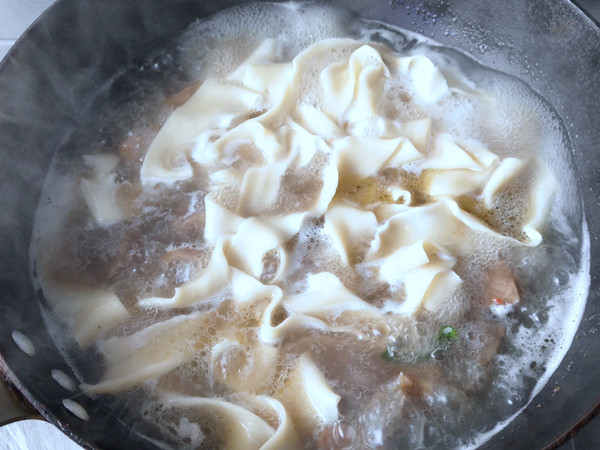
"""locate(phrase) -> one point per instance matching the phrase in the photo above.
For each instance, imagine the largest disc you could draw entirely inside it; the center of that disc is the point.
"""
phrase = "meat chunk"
(488, 348)
(501, 288)
(175, 101)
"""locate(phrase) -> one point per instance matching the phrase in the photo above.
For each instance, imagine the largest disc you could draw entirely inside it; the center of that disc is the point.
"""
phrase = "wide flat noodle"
(241, 367)
(308, 398)
(454, 170)
(428, 83)
(443, 223)
(100, 192)
(166, 157)
(285, 435)
(325, 298)
(213, 278)
(256, 237)
(349, 229)
(284, 146)
(90, 312)
(317, 308)
(318, 123)
(422, 270)
(504, 174)
(540, 201)
(164, 346)
(271, 331)
(150, 353)
(262, 73)
(260, 188)
(362, 157)
(247, 426)
(245, 430)
(219, 221)
(352, 90)
(225, 150)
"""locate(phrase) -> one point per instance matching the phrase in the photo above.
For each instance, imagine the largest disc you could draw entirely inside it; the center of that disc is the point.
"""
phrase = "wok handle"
(13, 406)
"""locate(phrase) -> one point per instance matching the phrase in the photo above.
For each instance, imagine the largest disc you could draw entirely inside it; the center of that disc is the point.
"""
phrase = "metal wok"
(81, 60)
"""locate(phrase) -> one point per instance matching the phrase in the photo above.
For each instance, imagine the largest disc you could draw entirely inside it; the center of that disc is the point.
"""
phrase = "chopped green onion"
(447, 335)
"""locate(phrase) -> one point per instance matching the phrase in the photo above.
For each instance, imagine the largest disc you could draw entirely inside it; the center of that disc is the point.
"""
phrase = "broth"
(324, 329)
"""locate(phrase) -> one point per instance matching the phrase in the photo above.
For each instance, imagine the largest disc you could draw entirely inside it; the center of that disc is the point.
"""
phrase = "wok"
(84, 59)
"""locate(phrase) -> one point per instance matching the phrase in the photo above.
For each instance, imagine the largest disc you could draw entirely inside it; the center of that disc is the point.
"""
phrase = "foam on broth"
(478, 399)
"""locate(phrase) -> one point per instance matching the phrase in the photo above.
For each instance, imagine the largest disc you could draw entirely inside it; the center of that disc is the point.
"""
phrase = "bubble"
(525, 272)
(162, 62)
(145, 66)
(535, 318)
(560, 277)
(344, 434)
(107, 140)
(439, 354)
(548, 251)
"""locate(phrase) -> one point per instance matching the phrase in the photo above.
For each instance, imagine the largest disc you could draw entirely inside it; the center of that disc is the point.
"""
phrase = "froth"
(511, 120)
(241, 29)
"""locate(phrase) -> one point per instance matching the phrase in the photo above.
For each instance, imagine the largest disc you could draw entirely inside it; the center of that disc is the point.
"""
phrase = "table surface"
(15, 17)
